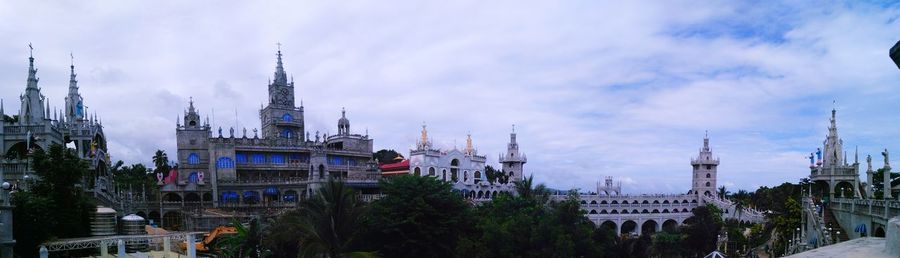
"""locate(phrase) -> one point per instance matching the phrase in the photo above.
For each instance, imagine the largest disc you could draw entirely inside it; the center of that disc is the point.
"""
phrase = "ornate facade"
(831, 169)
(263, 170)
(37, 126)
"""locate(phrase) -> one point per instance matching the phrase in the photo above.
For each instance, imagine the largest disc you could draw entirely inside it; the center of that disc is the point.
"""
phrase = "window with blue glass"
(193, 159)
(241, 158)
(259, 158)
(194, 177)
(277, 159)
(225, 162)
(287, 117)
(287, 133)
(336, 160)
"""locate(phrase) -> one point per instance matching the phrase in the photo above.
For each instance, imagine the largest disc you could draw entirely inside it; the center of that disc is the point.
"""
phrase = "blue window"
(193, 159)
(259, 158)
(287, 133)
(241, 158)
(194, 177)
(287, 117)
(277, 159)
(225, 162)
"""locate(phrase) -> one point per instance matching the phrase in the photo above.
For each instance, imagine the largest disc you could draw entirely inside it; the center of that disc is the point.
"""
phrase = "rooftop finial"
(30, 50)
(343, 112)
(514, 128)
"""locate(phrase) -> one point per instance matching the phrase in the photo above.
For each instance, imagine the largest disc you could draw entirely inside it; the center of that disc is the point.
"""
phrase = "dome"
(132, 217)
(105, 210)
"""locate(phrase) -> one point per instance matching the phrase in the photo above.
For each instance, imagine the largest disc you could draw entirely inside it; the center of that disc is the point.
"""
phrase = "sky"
(595, 88)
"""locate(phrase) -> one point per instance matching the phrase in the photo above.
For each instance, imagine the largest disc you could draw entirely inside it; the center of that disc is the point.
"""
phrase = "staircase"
(831, 221)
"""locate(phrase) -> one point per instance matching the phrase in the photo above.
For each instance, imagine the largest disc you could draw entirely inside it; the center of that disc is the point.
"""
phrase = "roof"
(402, 165)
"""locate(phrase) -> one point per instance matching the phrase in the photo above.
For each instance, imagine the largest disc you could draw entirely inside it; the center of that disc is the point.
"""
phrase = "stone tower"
(704, 167)
(280, 118)
(513, 161)
(192, 139)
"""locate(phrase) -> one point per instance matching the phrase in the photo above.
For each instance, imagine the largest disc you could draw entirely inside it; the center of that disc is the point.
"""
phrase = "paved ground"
(868, 247)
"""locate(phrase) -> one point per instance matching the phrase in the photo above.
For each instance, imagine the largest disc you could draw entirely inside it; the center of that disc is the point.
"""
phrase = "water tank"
(134, 225)
(103, 222)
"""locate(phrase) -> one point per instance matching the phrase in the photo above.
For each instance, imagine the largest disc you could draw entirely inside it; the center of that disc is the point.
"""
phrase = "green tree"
(701, 231)
(667, 244)
(418, 217)
(57, 171)
(246, 242)
(384, 156)
(161, 161)
(330, 222)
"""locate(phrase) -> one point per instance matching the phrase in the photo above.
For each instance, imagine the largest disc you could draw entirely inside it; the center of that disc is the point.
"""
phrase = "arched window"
(431, 171)
(193, 159)
(194, 177)
(259, 158)
(277, 159)
(707, 175)
(287, 117)
(707, 184)
(225, 162)
(444, 173)
(287, 133)
(241, 158)
(477, 176)
(417, 172)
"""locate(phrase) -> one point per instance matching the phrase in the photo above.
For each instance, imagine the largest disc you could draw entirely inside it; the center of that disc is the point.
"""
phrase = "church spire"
(280, 75)
(32, 73)
(73, 84)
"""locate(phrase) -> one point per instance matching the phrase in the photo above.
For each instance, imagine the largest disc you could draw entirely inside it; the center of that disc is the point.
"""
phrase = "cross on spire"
(30, 50)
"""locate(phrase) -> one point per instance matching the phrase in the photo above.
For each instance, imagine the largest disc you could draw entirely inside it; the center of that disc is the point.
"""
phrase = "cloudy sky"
(595, 89)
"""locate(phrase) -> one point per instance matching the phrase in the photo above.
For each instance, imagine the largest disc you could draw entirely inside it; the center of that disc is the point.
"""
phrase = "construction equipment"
(206, 243)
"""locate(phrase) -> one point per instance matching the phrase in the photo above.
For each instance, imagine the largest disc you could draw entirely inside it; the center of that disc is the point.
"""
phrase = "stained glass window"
(193, 159)
(225, 162)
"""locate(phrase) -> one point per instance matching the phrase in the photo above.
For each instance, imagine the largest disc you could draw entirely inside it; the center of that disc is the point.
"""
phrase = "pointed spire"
(280, 76)
(47, 109)
(73, 84)
(706, 141)
(32, 73)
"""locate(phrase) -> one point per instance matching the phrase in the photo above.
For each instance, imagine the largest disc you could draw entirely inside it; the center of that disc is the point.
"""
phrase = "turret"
(74, 103)
(704, 171)
(343, 123)
(513, 162)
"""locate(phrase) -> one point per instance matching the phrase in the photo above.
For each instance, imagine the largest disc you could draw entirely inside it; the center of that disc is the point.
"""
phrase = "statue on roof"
(887, 158)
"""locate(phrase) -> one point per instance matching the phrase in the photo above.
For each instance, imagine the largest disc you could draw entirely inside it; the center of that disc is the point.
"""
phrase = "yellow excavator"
(205, 244)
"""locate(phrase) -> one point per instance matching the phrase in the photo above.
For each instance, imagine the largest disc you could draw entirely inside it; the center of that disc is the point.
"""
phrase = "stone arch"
(173, 221)
(665, 211)
(655, 201)
(603, 212)
(192, 197)
(417, 171)
(593, 212)
(444, 174)
(625, 211)
(670, 225)
(644, 202)
(708, 175)
(706, 193)
(879, 232)
(321, 171)
(615, 202)
(645, 211)
(649, 227)
(603, 202)
(654, 211)
(477, 176)
(695, 201)
(593, 201)
(614, 212)
(843, 189)
(583, 202)
(665, 201)
(708, 184)
(629, 226)
(684, 210)
(635, 211)
(609, 224)
(172, 197)
(431, 171)
(154, 216)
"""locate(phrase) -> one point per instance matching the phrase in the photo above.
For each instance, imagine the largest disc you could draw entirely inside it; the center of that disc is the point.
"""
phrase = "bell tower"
(704, 169)
(280, 118)
(513, 161)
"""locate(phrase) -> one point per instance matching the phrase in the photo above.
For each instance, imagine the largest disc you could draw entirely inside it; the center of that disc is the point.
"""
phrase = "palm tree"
(330, 222)
(526, 190)
(247, 242)
(723, 193)
(161, 161)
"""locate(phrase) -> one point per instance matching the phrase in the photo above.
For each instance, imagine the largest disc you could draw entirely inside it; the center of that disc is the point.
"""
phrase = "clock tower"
(280, 118)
